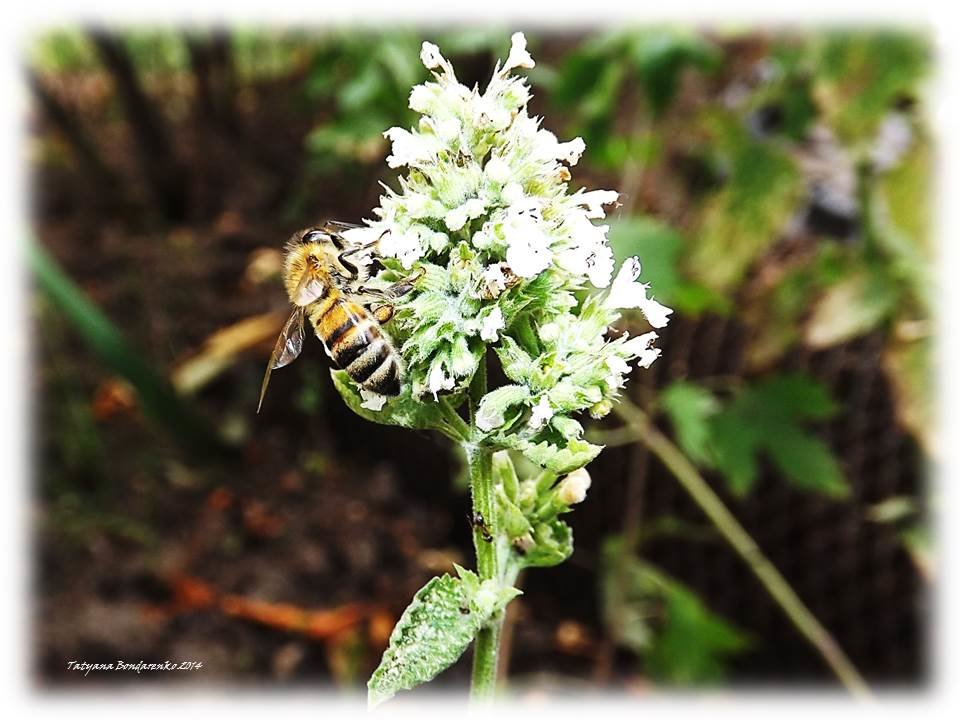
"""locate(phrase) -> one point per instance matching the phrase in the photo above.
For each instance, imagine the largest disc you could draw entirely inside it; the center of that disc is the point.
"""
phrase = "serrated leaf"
(434, 630)
(430, 636)
(663, 621)
(792, 395)
(733, 449)
(805, 460)
(690, 407)
(768, 418)
(692, 644)
(403, 411)
(559, 459)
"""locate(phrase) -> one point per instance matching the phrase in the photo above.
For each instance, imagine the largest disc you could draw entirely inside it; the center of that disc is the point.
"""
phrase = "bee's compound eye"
(311, 236)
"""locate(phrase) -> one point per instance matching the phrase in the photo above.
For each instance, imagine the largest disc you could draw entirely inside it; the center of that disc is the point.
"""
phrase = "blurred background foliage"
(776, 186)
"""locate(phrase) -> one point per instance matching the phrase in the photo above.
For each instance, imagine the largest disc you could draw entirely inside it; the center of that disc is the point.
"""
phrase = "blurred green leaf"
(693, 644)
(661, 55)
(689, 408)
(681, 641)
(765, 418)
(740, 221)
(859, 76)
(805, 460)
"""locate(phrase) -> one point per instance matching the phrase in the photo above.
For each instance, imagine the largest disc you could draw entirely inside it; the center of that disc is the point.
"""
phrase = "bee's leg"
(345, 257)
(383, 313)
(398, 289)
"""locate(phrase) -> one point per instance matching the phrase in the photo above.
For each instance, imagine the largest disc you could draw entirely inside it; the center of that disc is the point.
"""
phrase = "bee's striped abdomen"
(353, 340)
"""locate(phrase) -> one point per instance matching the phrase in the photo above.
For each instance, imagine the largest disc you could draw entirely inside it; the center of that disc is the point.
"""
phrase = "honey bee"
(323, 278)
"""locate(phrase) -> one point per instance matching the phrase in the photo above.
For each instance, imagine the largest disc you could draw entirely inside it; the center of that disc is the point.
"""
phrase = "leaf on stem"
(434, 630)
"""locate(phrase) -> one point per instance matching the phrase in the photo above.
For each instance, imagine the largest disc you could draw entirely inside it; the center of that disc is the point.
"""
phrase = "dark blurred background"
(776, 187)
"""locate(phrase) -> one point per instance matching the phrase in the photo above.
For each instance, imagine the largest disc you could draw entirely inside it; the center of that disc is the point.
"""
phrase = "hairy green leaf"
(402, 411)
(434, 630)
(560, 459)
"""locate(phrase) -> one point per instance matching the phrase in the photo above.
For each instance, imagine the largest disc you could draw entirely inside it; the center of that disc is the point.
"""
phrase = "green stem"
(486, 645)
(456, 423)
(779, 589)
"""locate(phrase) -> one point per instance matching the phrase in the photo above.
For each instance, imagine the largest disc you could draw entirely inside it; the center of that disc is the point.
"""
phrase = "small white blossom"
(519, 57)
(641, 347)
(492, 325)
(430, 56)
(573, 488)
(618, 368)
(513, 194)
(423, 98)
(497, 170)
(371, 400)
(458, 217)
(528, 246)
(595, 200)
(590, 254)
(410, 149)
(438, 380)
(627, 293)
(406, 247)
(549, 148)
(494, 278)
(487, 419)
(542, 412)
(482, 239)
(549, 332)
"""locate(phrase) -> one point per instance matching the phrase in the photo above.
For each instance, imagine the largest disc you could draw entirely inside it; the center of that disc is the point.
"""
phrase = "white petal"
(430, 56)
(438, 380)
(492, 325)
(656, 313)
(497, 170)
(627, 293)
(371, 400)
(542, 412)
(519, 57)
(494, 278)
(595, 200)
(641, 348)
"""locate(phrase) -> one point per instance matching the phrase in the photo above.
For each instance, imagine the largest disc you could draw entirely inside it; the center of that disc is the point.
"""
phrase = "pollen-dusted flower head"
(512, 259)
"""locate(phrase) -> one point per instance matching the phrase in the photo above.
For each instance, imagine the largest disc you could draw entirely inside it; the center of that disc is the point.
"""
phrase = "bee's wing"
(310, 288)
(288, 347)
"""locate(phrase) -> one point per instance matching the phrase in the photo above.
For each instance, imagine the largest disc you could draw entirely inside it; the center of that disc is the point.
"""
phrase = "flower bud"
(573, 488)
